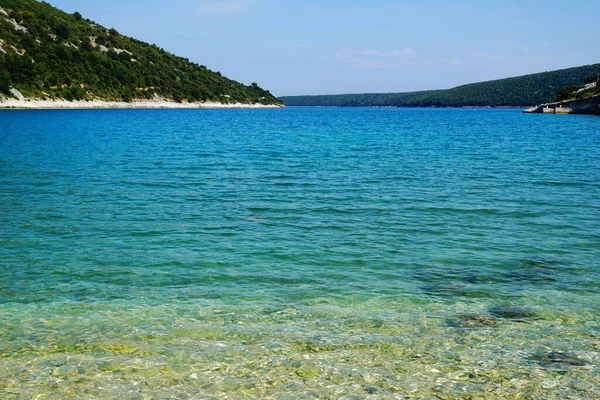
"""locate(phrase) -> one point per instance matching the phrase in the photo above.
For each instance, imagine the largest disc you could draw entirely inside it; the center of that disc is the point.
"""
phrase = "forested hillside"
(519, 91)
(46, 53)
(591, 87)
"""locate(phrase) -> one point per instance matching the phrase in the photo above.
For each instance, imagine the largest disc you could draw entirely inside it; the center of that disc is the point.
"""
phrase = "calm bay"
(299, 253)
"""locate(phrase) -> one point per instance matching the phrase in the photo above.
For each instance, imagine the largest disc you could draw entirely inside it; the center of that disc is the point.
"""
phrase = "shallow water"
(299, 253)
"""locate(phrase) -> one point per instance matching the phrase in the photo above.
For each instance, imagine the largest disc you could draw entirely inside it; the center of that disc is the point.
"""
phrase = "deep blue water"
(299, 253)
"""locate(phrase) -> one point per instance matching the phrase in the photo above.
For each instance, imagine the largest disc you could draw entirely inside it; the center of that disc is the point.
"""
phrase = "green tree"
(53, 79)
(5, 83)
(86, 45)
(126, 97)
(62, 30)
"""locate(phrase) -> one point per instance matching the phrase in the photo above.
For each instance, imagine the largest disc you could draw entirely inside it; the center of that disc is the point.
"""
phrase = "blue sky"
(356, 46)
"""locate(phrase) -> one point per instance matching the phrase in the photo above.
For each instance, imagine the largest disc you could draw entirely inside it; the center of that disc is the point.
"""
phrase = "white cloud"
(223, 7)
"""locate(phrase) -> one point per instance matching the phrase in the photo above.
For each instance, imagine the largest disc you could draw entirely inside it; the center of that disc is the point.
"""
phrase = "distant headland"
(587, 105)
(522, 91)
(51, 59)
(581, 99)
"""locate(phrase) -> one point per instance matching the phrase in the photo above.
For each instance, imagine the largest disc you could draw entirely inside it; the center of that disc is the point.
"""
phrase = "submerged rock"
(371, 390)
(482, 277)
(473, 321)
(559, 357)
(67, 371)
(565, 358)
(308, 371)
(452, 289)
(513, 312)
(363, 322)
(535, 271)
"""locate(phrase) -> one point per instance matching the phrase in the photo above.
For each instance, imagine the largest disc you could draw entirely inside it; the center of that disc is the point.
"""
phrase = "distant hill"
(525, 90)
(49, 54)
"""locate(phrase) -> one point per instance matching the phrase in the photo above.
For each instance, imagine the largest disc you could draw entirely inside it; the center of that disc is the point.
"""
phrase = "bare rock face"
(18, 27)
(17, 94)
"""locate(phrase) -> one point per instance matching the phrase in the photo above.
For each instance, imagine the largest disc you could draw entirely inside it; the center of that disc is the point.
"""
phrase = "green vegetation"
(525, 90)
(46, 53)
(591, 87)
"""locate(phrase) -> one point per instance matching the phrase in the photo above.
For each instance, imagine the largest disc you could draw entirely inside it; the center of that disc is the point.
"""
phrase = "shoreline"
(586, 106)
(420, 107)
(14, 104)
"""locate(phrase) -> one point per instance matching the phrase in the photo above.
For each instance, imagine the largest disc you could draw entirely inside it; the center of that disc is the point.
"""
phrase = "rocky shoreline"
(38, 104)
(587, 105)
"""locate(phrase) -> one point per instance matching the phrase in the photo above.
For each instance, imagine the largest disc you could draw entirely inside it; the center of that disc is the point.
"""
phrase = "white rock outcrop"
(18, 27)
(587, 86)
(119, 51)
(17, 94)
(22, 103)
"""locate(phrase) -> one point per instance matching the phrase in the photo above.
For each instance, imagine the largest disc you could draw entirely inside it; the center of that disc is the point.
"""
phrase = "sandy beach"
(36, 104)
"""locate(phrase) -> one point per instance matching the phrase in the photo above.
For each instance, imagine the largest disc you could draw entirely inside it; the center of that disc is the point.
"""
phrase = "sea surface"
(299, 253)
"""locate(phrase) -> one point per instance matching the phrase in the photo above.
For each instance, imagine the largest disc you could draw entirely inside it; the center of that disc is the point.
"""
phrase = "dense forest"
(46, 53)
(525, 90)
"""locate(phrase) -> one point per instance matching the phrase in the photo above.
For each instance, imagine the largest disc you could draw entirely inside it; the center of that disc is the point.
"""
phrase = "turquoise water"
(299, 253)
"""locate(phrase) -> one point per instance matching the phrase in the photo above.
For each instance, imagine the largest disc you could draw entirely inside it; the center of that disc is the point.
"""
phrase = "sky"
(299, 47)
